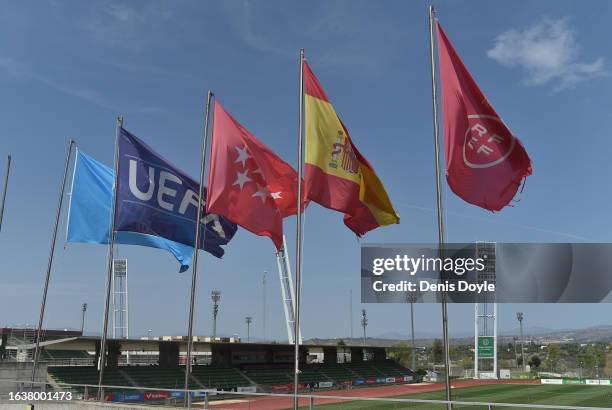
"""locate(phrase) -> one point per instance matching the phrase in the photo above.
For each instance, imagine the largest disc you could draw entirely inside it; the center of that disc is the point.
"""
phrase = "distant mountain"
(589, 334)
(540, 334)
(598, 332)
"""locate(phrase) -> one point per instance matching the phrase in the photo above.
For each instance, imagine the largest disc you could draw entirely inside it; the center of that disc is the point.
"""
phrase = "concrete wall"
(356, 354)
(380, 353)
(18, 371)
(330, 354)
(168, 354)
(3, 342)
(221, 357)
(73, 405)
(113, 350)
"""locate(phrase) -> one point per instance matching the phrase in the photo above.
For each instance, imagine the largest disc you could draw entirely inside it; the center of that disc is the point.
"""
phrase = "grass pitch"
(560, 395)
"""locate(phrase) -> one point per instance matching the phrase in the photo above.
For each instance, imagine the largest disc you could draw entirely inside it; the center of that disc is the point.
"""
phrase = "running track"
(282, 403)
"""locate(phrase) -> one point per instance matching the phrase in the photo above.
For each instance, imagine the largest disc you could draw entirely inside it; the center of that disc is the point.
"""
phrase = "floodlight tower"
(485, 313)
(216, 297)
(287, 291)
(519, 317)
(120, 299)
(83, 309)
(364, 324)
(248, 320)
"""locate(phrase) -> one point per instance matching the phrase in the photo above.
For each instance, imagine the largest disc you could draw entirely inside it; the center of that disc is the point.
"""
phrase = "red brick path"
(282, 403)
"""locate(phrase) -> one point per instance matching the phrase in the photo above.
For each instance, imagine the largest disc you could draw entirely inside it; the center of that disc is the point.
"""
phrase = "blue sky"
(68, 68)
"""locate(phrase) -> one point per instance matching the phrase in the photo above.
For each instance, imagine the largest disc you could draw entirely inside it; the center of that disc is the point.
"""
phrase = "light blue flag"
(89, 214)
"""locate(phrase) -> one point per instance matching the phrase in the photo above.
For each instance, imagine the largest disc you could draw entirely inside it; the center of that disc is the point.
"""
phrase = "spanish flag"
(336, 175)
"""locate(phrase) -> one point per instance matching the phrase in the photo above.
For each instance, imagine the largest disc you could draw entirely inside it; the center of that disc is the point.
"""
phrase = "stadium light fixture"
(248, 320)
(216, 298)
(83, 309)
(519, 317)
(364, 324)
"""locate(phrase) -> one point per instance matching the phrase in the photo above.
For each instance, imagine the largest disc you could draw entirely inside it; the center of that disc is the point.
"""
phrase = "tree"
(437, 351)
(401, 353)
(554, 352)
(535, 362)
(572, 349)
(592, 359)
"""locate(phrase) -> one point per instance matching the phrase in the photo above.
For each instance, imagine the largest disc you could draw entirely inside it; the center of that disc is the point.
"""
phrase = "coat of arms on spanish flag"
(337, 176)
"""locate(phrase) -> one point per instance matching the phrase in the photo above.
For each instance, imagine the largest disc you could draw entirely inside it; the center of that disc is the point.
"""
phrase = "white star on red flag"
(262, 192)
(243, 155)
(242, 178)
(244, 170)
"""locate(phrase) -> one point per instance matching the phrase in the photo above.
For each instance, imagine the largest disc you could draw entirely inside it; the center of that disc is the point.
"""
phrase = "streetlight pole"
(411, 298)
(520, 316)
(248, 319)
(216, 297)
(364, 324)
(83, 308)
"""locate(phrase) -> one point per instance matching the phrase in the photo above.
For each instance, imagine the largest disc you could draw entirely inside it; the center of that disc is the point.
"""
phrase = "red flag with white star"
(247, 182)
(485, 162)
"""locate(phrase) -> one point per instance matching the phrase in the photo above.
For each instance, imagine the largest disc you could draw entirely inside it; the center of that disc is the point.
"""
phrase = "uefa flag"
(89, 216)
(337, 176)
(156, 198)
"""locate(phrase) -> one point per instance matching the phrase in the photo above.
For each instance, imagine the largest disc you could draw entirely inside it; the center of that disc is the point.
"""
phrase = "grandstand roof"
(89, 343)
(48, 333)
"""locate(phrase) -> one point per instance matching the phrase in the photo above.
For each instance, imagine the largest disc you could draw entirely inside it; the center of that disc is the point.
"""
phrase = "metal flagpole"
(264, 303)
(413, 350)
(432, 13)
(50, 262)
(298, 239)
(6, 179)
(109, 273)
(196, 247)
(351, 311)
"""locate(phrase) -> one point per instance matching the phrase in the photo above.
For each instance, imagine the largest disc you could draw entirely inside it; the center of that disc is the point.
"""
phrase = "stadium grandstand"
(223, 364)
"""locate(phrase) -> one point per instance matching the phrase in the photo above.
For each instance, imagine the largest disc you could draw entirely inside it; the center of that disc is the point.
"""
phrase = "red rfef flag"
(247, 183)
(485, 162)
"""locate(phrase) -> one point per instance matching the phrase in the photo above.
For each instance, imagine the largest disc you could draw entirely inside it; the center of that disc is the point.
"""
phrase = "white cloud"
(120, 12)
(335, 32)
(20, 69)
(71, 88)
(249, 29)
(119, 24)
(548, 52)
(12, 67)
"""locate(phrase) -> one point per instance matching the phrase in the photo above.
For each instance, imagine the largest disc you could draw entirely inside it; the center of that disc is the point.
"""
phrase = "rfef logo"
(487, 142)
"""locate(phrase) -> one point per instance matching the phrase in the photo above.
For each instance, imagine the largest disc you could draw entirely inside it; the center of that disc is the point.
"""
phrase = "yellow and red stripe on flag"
(337, 176)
